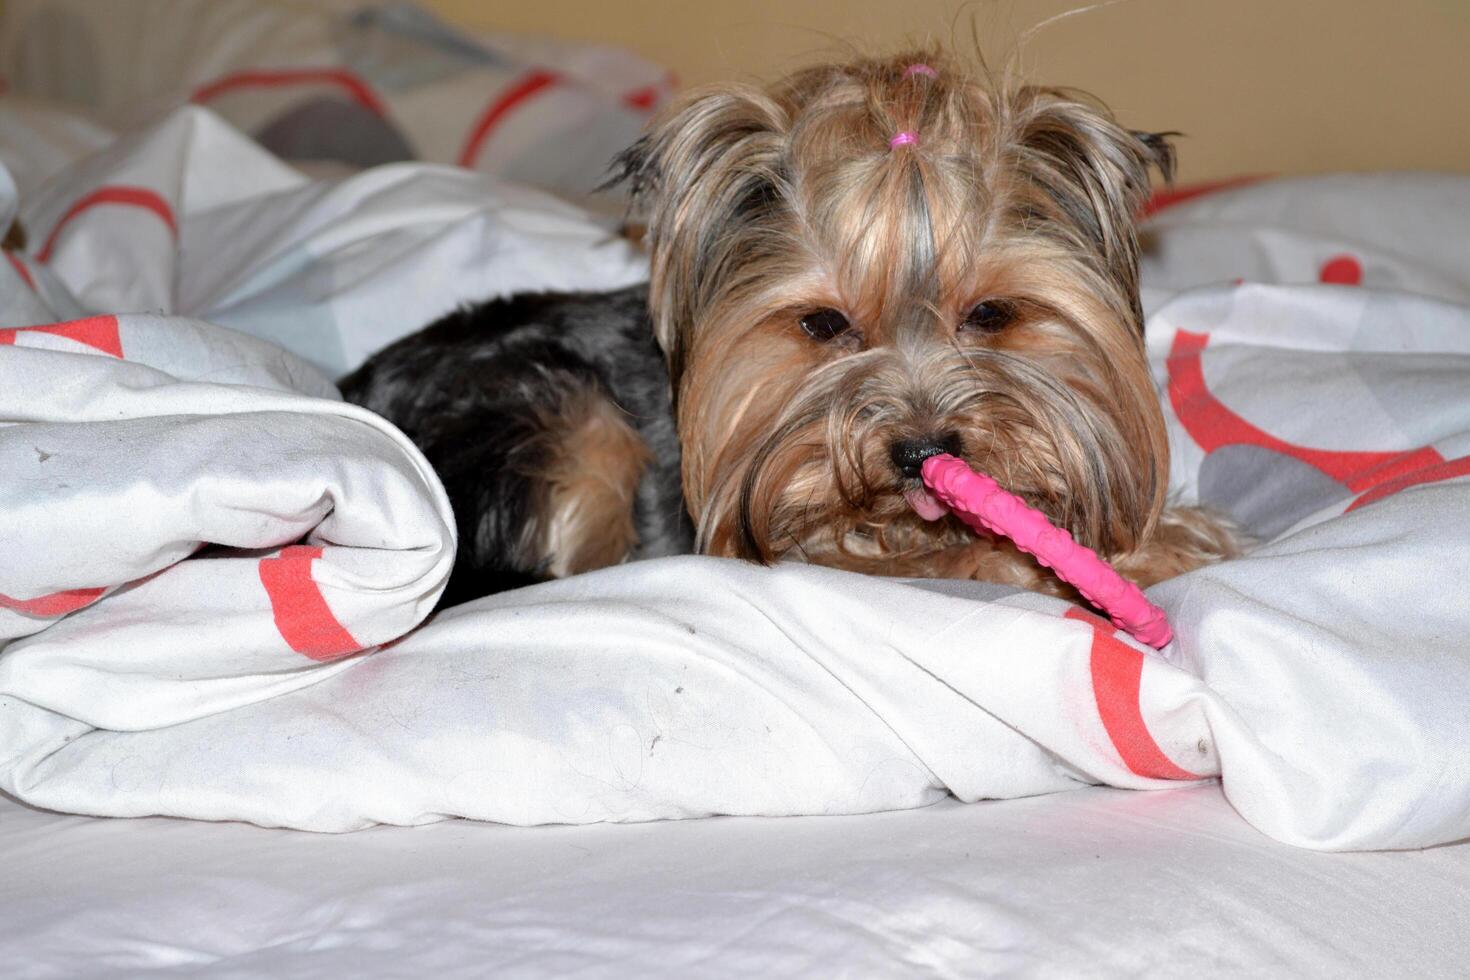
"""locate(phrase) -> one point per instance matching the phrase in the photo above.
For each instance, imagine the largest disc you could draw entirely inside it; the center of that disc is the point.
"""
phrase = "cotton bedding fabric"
(341, 84)
(1092, 883)
(213, 569)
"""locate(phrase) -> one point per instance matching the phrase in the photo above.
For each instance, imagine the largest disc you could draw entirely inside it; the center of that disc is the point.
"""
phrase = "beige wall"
(1259, 86)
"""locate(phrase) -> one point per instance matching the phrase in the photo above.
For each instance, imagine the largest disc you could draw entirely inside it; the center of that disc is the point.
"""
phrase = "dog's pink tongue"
(925, 505)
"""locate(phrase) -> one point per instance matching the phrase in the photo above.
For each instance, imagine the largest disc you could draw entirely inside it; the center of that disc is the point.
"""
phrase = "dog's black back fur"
(473, 391)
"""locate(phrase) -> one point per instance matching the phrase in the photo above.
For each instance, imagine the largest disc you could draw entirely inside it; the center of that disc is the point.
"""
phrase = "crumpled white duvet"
(209, 560)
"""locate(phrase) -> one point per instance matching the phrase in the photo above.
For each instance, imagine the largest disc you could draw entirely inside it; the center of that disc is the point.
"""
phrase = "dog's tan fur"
(763, 205)
(591, 476)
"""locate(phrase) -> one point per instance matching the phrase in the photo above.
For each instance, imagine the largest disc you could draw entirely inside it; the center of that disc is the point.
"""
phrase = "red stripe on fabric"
(1447, 470)
(302, 615)
(55, 604)
(138, 197)
(1212, 425)
(98, 332)
(1117, 674)
(1088, 616)
(353, 85)
(646, 97)
(1178, 195)
(21, 270)
(531, 83)
(641, 98)
(1341, 270)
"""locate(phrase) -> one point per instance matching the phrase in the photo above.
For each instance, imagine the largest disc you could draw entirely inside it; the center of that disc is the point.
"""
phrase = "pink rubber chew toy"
(980, 502)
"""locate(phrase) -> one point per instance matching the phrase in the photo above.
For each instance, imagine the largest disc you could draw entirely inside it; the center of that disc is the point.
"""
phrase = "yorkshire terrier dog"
(860, 267)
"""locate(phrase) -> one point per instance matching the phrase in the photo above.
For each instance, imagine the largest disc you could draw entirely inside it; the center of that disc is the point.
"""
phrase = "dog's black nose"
(909, 454)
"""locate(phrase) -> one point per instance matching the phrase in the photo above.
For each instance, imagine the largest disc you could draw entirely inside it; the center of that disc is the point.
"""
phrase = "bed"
(216, 576)
(1096, 882)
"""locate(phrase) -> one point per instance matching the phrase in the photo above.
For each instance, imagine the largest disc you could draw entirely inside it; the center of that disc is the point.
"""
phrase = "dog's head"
(868, 263)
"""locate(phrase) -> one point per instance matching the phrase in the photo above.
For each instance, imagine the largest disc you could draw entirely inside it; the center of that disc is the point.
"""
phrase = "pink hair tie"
(977, 500)
(906, 138)
(924, 70)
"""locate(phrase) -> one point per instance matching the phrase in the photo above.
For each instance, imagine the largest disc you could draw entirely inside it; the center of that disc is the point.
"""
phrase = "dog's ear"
(1161, 150)
(704, 178)
(721, 136)
(1096, 171)
(1086, 179)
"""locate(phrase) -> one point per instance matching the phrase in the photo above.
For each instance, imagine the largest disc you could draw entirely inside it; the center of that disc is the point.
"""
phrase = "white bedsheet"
(351, 83)
(1323, 678)
(1096, 883)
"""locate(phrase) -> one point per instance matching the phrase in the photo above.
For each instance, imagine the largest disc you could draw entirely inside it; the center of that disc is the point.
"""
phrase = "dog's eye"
(824, 324)
(991, 316)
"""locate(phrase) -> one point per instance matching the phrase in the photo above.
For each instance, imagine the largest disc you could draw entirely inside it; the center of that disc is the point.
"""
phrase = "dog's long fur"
(548, 418)
(825, 306)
